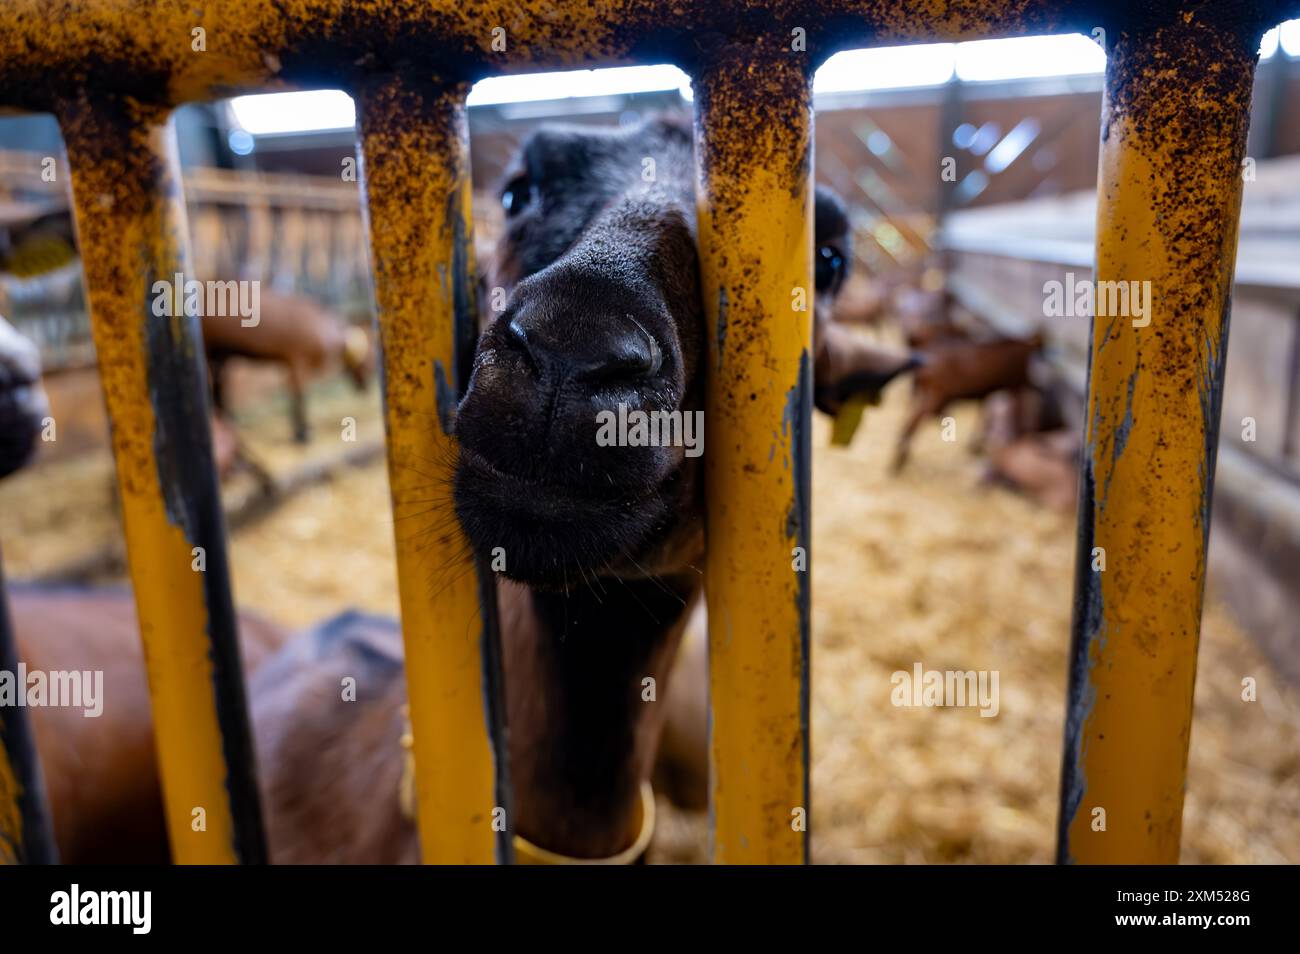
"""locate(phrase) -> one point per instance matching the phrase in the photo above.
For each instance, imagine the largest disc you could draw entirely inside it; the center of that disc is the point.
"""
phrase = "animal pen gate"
(1175, 113)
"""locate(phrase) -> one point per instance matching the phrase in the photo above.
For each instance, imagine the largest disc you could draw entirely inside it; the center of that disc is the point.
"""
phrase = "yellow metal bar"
(1173, 137)
(130, 219)
(415, 140)
(754, 152)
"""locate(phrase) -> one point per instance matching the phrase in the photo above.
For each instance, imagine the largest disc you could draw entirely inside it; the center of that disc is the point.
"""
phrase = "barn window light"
(970, 187)
(1012, 145)
(887, 67)
(879, 142)
(1289, 35)
(1029, 56)
(608, 82)
(985, 138)
(308, 111)
(241, 143)
(963, 136)
(890, 67)
(322, 110)
(1268, 45)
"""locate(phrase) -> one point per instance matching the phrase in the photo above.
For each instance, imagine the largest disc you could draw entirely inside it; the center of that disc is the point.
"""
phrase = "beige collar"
(526, 853)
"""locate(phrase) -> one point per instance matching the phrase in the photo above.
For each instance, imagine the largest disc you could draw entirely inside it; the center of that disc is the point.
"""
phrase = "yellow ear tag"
(849, 417)
(356, 346)
(38, 255)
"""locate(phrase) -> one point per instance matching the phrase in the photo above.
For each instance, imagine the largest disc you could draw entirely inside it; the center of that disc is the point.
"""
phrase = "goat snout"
(539, 475)
(570, 346)
(616, 351)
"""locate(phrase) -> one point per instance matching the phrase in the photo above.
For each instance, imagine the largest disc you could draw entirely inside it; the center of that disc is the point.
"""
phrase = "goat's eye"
(830, 268)
(518, 193)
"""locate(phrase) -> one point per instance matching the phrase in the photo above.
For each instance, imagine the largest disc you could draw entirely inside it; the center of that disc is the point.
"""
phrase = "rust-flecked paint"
(754, 151)
(1173, 138)
(415, 144)
(131, 227)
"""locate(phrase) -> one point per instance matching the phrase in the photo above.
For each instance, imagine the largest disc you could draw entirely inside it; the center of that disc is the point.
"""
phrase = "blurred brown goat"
(295, 331)
(954, 370)
(1031, 446)
(927, 317)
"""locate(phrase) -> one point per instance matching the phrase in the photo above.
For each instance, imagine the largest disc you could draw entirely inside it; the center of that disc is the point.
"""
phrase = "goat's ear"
(847, 365)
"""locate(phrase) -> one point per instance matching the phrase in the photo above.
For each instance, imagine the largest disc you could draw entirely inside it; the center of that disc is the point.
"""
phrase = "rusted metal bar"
(130, 219)
(1174, 120)
(754, 154)
(26, 833)
(415, 141)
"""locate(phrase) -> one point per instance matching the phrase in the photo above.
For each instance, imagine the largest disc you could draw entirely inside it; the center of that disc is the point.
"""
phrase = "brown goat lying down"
(1031, 446)
(101, 773)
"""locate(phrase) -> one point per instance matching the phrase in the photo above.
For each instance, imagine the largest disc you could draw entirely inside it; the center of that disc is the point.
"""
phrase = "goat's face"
(604, 311)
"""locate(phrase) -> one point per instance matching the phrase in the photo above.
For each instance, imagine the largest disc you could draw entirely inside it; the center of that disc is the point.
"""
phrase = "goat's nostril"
(623, 364)
(609, 351)
(518, 335)
(653, 357)
(625, 358)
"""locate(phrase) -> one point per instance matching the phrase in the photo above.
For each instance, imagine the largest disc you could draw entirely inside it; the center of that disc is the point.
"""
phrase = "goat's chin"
(548, 537)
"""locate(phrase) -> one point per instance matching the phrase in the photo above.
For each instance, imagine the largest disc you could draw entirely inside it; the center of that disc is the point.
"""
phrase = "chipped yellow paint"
(415, 142)
(754, 152)
(131, 225)
(1174, 132)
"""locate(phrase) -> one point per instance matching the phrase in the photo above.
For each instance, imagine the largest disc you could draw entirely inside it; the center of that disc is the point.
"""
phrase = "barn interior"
(969, 171)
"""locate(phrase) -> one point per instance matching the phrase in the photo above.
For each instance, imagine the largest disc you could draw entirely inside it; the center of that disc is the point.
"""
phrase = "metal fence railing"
(1174, 129)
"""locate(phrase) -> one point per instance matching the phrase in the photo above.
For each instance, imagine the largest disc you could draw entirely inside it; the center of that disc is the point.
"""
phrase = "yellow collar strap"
(526, 853)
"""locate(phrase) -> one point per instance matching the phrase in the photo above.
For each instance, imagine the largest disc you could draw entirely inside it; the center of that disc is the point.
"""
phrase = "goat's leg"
(217, 375)
(920, 409)
(298, 403)
(983, 437)
(265, 479)
(262, 474)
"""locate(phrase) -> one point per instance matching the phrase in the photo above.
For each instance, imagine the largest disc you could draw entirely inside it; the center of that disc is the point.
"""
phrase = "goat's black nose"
(592, 348)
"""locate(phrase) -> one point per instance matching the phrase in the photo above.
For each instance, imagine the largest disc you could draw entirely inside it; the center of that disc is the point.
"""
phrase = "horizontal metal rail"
(178, 51)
